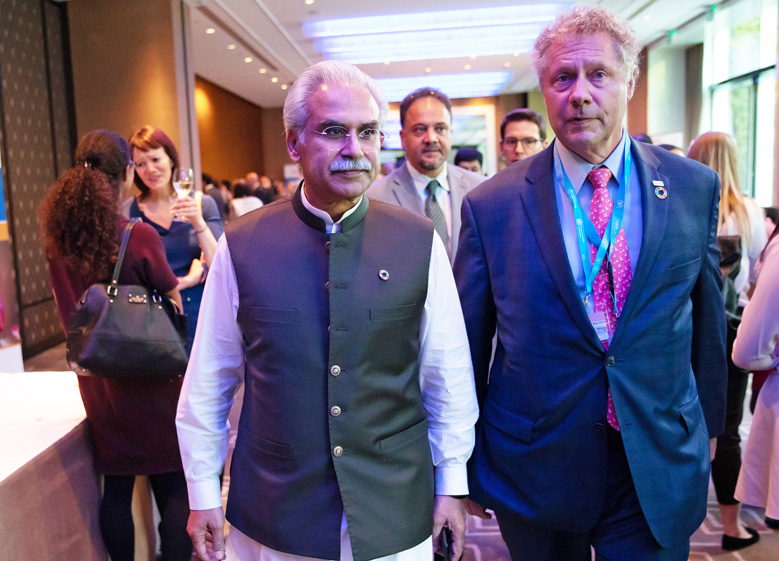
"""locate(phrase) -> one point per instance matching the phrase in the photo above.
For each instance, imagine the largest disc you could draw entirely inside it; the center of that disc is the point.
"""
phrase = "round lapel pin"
(661, 192)
(384, 274)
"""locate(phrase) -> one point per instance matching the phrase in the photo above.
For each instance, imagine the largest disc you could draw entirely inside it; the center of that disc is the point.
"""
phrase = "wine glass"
(183, 186)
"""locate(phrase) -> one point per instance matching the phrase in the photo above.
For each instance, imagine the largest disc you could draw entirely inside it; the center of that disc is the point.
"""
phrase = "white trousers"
(240, 547)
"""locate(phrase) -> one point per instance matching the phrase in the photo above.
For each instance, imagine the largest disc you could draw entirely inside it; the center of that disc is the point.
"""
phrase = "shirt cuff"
(204, 495)
(451, 480)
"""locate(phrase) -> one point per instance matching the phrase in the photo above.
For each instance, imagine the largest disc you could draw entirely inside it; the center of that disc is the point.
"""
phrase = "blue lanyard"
(585, 229)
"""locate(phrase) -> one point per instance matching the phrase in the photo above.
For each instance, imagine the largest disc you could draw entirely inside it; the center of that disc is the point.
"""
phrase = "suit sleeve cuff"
(451, 480)
(204, 495)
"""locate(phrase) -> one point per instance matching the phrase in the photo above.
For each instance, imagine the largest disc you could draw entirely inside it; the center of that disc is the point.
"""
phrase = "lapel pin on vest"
(384, 274)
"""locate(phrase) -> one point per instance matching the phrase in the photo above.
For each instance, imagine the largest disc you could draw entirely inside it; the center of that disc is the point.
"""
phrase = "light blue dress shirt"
(577, 169)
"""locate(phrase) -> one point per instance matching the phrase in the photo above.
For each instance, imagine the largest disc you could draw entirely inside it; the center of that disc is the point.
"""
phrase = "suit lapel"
(457, 192)
(404, 191)
(655, 214)
(540, 201)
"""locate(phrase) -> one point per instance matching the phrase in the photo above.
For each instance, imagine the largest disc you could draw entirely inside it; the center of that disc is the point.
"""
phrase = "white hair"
(331, 73)
(588, 20)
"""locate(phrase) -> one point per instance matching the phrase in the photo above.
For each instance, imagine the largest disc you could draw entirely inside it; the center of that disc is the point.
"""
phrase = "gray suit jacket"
(398, 189)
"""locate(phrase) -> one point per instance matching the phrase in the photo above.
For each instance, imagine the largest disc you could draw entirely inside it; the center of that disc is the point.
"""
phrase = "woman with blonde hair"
(738, 216)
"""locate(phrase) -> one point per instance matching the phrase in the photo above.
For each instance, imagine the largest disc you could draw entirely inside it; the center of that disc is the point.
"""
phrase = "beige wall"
(124, 65)
(637, 106)
(274, 146)
(230, 131)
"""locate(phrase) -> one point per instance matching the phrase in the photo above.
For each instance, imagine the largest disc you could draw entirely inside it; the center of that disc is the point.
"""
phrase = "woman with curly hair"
(132, 424)
(738, 216)
(189, 243)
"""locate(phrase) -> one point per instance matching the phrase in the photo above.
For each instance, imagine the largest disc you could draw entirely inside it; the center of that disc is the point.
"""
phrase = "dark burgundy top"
(132, 423)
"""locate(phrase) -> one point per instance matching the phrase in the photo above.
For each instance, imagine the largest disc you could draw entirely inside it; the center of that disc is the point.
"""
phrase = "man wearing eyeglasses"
(522, 134)
(347, 334)
(427, 184)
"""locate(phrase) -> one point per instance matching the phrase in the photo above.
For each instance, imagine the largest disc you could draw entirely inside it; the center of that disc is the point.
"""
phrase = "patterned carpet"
(483, 541)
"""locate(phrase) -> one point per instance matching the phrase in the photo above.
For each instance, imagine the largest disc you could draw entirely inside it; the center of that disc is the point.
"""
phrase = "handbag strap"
(112, 290)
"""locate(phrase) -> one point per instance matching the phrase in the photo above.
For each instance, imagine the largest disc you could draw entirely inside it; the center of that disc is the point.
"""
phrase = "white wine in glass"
(183, 186)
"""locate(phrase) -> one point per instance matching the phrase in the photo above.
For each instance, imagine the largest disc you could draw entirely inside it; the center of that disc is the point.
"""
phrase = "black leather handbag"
(127, 332)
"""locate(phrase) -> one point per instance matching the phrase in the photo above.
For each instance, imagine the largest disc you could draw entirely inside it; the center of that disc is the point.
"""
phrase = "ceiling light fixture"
(248, 59)
(454, 85)
(284, 86)
(230, 47)
(274, 79)
(263, 70)
(432, 35)
(423, 45)
(429, 21)
(309, 2)
(467, 66)
(210, 31)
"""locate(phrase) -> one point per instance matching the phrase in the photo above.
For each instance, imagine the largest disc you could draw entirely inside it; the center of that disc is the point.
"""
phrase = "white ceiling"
(271, 33)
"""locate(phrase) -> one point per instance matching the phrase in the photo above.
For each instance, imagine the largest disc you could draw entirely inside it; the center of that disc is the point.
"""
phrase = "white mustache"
(362, 164)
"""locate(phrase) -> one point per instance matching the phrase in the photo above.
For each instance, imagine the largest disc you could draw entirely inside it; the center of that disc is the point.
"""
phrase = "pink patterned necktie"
(600, 214)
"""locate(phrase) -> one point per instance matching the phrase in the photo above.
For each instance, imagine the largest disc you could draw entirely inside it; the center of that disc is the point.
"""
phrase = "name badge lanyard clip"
(585, 229)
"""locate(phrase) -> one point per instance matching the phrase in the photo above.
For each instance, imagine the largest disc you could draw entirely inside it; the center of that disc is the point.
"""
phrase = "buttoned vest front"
(333, 419)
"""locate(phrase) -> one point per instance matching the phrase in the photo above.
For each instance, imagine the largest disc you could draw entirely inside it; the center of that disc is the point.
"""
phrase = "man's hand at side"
(206, 529)
(449, 511)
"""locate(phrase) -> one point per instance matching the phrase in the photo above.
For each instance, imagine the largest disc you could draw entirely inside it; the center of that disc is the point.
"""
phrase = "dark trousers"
(116, 520)
(727, 460)
(621, 534)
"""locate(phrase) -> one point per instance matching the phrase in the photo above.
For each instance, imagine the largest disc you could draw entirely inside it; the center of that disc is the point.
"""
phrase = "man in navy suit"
(608, 381)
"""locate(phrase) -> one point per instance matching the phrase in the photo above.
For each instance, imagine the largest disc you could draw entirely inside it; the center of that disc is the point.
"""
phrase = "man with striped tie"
(426, 183)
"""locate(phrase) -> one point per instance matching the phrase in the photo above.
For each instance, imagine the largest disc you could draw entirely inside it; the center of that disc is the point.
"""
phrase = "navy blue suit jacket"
(541, 440)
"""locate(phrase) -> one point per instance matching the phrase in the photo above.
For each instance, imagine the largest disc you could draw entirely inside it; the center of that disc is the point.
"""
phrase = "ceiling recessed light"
(210, 31)
(309, 2)
(516, 54)
(473, 57)
(274, 79)
(428, 70)
(230, 47)
(386, 63)
(467, 66)
(506, 64)
(283, 86)
(248, 59)
(263, 70)
(646, 18)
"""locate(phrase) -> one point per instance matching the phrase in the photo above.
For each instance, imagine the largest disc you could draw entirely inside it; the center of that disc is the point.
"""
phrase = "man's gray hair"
(588, 20)
(334, 73)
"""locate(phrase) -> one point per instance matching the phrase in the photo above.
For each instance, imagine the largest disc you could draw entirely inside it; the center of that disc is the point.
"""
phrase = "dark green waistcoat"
(333, 418)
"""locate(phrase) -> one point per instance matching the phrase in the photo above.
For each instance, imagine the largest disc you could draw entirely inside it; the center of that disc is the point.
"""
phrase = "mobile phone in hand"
(446, 545)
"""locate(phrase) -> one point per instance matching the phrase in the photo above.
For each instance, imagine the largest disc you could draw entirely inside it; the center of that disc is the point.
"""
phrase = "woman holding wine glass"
(189, 224)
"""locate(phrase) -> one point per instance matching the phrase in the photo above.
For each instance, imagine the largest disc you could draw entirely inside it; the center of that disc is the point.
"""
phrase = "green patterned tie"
(434, 212)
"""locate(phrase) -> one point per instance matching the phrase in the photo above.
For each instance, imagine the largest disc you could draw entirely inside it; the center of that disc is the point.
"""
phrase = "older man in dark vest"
(347, 334)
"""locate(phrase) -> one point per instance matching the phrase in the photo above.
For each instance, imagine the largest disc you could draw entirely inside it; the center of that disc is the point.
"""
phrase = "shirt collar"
(577, 168)
(331, 227)
(421, 181)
